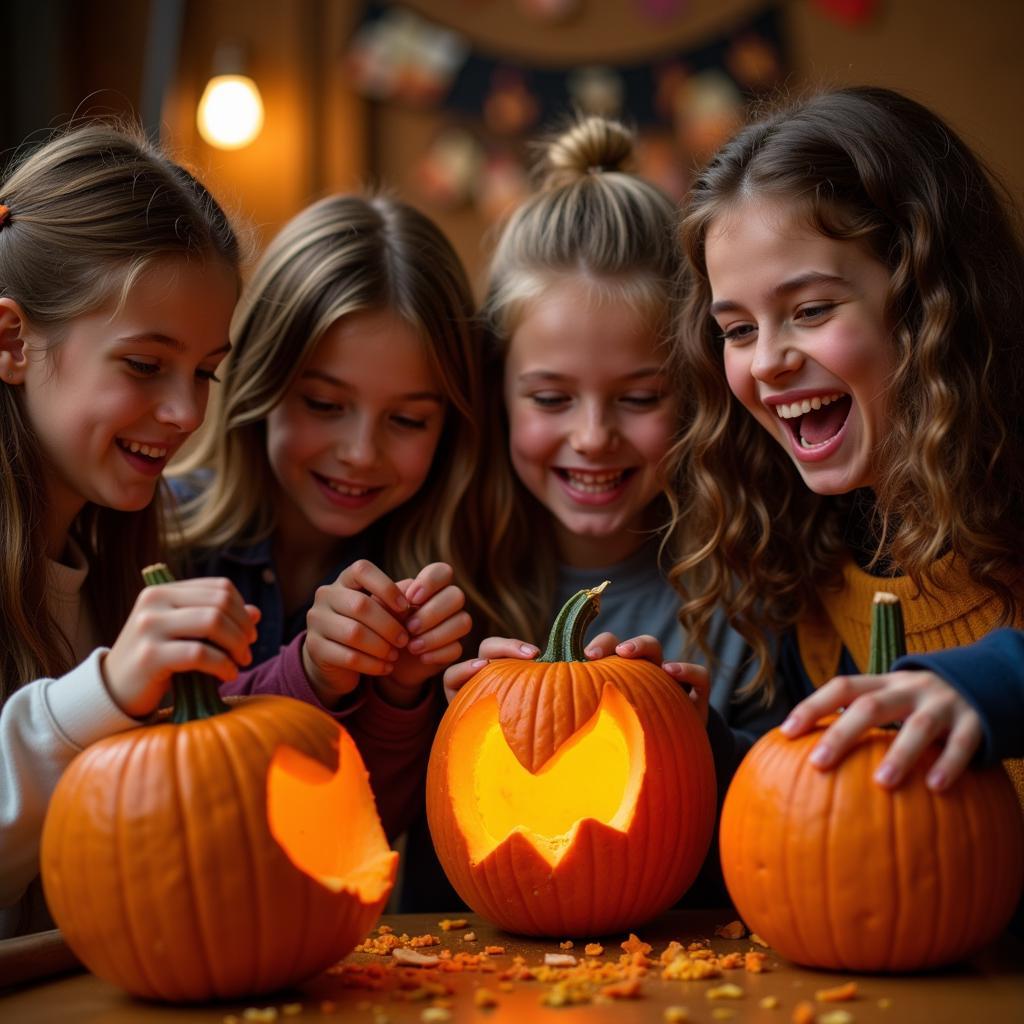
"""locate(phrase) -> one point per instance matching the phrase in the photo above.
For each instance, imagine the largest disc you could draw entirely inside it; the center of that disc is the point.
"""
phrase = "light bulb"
(230, 113)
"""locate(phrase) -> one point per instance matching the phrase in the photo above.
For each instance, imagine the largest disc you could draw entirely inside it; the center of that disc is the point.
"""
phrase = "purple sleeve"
(394, 742)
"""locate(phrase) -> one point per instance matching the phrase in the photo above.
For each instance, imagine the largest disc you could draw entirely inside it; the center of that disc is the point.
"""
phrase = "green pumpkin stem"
(888, 641)
(195, 694)
(565, 641)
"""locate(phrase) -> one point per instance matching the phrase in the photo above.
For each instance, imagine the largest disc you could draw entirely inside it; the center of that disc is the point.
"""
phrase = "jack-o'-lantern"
(571, 797)
(230, 850)
(835, 871)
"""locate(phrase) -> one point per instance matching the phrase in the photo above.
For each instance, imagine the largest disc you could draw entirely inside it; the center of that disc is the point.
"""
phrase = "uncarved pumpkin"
(835, 871)
(570, 797)
(218, 856)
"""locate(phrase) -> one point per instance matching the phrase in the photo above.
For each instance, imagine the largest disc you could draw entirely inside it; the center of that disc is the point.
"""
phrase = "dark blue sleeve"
(989, 675)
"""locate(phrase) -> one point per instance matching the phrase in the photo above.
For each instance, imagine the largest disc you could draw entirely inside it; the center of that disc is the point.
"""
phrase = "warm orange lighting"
(230, 113)
(327, 821)
(596, 774)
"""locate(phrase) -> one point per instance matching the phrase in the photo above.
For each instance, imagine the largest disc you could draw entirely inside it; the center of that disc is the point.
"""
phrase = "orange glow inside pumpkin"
(327, 823)
(597, 774)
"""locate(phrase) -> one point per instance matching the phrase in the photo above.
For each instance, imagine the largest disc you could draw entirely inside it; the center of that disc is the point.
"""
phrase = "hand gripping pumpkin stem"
(195, 694)
(565, 641)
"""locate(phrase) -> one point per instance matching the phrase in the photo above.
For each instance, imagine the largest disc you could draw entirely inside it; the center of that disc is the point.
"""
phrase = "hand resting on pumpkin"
(694, 677)
(199, 625)
(928, 707)
(367, 624)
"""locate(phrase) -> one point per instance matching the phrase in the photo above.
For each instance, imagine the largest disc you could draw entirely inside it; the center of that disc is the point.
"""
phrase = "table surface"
(988, 987)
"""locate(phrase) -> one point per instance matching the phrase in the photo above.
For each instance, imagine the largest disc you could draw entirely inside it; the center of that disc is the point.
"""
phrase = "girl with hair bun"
(580, 306)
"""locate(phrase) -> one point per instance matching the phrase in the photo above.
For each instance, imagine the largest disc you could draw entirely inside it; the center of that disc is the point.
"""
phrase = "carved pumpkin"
(835, 871)
(569, 797)
(229, 851)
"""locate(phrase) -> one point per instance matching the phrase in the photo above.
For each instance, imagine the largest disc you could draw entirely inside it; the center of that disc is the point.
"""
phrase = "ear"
(13, 334)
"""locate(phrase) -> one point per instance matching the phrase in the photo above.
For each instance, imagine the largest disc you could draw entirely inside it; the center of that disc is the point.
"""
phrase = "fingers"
(438, 621)
(695, 676)
(364, 575)
(456, 676)
(838, 693)
(430, 580)
(355, 618)
(961, 745)
(645, 646)
(507, 647)
(602, 646)
(337, 659)
(869, 709)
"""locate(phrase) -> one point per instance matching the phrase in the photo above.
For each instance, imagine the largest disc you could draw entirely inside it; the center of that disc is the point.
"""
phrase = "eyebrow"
(168, 342)
(410, 396)
(794, 284)
(550, 375)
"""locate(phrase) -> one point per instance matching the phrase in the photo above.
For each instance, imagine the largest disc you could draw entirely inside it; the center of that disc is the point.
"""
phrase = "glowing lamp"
(231, 851)
(567, 797)
(230, 112)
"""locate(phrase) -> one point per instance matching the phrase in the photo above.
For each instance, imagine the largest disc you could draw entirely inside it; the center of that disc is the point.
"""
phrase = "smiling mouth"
(814, 422)
(598, 482)
(346, 490)
(153, 452)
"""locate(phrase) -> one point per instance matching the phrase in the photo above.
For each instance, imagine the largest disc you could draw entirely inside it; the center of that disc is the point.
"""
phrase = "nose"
(357, 442)
(774, 356)
(182, 405)
(593, 430)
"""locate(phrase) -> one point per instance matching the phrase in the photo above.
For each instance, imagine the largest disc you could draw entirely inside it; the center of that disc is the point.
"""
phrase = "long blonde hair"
(342, 255)
(869, 165)
(590, 218)
(89, 211)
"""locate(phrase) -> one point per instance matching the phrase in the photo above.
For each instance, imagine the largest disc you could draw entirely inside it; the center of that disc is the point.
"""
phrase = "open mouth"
(150, 452)
(595, 482)
(344, 489)
(814, 422)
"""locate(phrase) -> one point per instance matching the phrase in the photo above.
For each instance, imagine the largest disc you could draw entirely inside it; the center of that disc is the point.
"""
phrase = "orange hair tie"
(5, 214)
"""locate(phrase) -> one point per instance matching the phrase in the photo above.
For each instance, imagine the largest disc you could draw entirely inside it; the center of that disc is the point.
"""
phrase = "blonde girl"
(851, 348)
(336, 485)
(118, 275)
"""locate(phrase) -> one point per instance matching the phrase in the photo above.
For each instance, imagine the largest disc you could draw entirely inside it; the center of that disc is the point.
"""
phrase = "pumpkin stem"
(195, 694)
(565, 641)
(888, 641)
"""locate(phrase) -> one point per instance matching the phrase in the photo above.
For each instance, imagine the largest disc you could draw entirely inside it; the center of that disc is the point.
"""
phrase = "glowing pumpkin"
(231, 850)
(570, 797)
(835, 871)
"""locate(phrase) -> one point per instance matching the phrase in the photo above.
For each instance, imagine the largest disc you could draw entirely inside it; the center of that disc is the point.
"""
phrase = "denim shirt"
(251, 568)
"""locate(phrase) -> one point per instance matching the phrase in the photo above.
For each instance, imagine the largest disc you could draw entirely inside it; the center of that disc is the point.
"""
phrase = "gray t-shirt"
(640, 600)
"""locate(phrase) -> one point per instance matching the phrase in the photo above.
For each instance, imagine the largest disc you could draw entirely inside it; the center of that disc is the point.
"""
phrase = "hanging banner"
(397, 55)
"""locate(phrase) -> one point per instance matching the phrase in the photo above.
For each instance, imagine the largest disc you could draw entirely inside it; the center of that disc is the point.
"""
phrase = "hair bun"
(593, 145)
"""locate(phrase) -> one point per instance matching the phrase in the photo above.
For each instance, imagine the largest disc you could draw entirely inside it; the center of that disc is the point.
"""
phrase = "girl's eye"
(145, 369)
(316, 405)
(210, 375)
(642, 399)
(549, 399)
(409, 422)
(815, 312)
(738, 333)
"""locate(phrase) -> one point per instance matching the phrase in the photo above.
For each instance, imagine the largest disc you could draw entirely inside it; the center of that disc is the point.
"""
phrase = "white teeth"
(149, 450)
(349, 492)
(594, 483)
(793, 409)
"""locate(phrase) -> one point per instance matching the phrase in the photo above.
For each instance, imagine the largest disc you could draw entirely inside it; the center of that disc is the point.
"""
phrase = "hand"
(198, 625)
(456, 676)
(694, 678)
(926, 704)
(354, 628)
(436, 623)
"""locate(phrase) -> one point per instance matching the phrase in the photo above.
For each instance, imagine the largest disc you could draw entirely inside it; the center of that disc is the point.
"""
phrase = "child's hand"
(694, 677)
(354, 628)
(435, 624)
(927, 705)
(456, 676)
(189, 625)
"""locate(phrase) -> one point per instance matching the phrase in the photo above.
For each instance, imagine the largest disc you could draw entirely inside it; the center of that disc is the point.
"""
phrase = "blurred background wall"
(438, 99)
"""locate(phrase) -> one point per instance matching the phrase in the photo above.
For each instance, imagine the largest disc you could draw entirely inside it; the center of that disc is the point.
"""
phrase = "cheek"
(737, 374)
(529, 436)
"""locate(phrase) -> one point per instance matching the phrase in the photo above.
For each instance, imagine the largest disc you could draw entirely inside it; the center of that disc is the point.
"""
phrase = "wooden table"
(988, 988)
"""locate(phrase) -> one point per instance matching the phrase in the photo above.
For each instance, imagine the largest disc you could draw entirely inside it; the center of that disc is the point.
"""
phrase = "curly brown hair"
(871, 165)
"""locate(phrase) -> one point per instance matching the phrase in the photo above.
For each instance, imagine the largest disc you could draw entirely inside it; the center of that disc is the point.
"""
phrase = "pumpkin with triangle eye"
(229, 851)
(571, 797)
